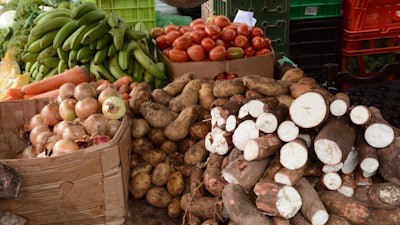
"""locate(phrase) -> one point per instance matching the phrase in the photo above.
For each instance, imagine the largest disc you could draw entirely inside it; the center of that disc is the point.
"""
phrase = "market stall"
(104, 115)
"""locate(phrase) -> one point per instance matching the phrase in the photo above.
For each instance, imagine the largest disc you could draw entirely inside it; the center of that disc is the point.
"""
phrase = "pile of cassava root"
(256, 150)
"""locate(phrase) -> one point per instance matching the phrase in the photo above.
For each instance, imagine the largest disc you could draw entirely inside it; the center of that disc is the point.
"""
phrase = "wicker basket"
(184, 3)
(87, 187)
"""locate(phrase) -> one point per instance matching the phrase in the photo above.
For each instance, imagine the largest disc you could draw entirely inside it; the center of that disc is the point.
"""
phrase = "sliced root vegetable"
(331, 181)
(277, 199)
(269, 121)
(389, 163)
(258, 106)
(348, 185)
(261, 147)
(240, 208)
(332, 168)
(288, 131)
(294, 154)
(335, 140)
(378, 132)
(360, 114)
(312, 208)
(246, 130)
(309, 110)
(367, 155)
(340, 104)
(351, 162)
(273, 167)
(243, 172)
(218, 141)
(290, 177)
(219, 114)
(299, 219)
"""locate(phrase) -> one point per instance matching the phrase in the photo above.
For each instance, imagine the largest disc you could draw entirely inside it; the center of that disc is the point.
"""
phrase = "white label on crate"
(311, 10)
(245, 17)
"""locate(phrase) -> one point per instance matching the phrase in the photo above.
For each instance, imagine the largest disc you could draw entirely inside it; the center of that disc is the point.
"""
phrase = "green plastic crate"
(132, 11)
(308, 9)
(272, 15)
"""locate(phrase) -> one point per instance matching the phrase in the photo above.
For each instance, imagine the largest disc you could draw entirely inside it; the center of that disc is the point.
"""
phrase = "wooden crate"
(87, 187)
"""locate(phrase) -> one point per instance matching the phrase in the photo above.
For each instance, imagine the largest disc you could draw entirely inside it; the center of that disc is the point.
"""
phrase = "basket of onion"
(73, 153)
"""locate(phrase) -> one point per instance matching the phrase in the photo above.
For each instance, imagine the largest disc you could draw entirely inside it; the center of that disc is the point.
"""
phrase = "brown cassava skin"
(348, 208)
(174, 208)
(160, 96)
(337, 220)
(206, 97)
(228, 88)
(196, 154)
(140, 127)
(158, 197)
(188, 96)
(160, 174)
(140, 94)
(384, 217)
(140, 184)
(179, 128)
(176, 183)
(293, 75)
(307, 84)
(240, 209)
(196, 184)
(389, 159)
(176, 86)
(157, 115)
(213, 181)
(264, 85)
(202, 207)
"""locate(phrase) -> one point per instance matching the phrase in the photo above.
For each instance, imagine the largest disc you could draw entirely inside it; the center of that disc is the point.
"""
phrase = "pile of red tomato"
(217, 39)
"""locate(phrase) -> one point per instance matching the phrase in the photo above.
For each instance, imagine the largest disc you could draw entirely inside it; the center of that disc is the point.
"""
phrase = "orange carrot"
(122, 80)
(15, 93)
(74, 75)
(49, 94)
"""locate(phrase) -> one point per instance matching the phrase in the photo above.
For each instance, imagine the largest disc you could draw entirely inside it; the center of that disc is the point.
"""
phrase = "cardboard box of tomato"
(210, 48)
(262, 65)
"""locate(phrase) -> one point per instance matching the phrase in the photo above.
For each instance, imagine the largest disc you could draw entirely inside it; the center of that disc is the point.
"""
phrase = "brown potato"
(158, 197)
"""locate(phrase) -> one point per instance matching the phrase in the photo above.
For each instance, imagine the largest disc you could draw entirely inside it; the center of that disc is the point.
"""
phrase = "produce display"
(216, 39)
(107, 45)
(236, 149)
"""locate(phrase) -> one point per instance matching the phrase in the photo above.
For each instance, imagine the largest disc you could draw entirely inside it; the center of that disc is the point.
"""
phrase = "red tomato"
(207, 43)
(183, 42)
(249, 51)
(222, 21)
(257, 31)
(263, 51)
(234, 53)
(155, 32)
(178, 55)
(243, 29)
(228, 35)
(196, 52)
(185, 29)
(218, 53)
(231, 26)
(220, 42)
(197, 35)
(172, 36)
(230, 76)
(196, 21)
(213, 31)
(166, 51)
(220, 76)
(241, 41)
(200, 26)
(171, 27)
(258, 42)
(162, 42)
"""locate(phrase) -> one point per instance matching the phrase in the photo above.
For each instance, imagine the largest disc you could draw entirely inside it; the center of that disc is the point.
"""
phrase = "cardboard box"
(90, 186)
(262, 65)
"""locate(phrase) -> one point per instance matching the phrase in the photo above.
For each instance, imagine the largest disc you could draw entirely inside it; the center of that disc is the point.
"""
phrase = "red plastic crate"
(368, 15)
(373, 42)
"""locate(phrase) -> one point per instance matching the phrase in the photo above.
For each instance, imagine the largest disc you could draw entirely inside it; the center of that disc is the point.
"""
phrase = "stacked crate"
(371, 35)
(315, 35)
(271, 15)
